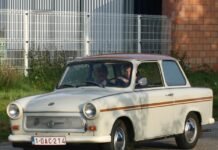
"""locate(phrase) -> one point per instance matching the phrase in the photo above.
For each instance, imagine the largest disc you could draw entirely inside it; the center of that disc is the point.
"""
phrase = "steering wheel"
(120, 82)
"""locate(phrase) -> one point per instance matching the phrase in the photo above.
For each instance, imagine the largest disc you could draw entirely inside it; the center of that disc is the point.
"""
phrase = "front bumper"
(69, 139)
(211, 121)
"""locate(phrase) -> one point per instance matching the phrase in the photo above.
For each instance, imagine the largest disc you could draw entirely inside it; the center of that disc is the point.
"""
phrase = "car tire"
(24, 146)
(120, 138)
(188, 139)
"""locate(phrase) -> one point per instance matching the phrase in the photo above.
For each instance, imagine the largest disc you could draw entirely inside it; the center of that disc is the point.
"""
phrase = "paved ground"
(208, 140)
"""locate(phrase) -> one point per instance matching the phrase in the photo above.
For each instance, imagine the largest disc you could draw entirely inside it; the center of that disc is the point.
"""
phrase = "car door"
(180, 88)
(156, 100)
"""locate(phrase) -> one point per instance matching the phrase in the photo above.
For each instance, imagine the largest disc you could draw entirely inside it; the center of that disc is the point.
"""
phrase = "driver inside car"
(100, 73)
(124, 80)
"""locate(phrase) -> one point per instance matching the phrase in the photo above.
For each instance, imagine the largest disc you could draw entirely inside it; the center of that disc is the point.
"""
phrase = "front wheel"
(120, 139)
(191, 133)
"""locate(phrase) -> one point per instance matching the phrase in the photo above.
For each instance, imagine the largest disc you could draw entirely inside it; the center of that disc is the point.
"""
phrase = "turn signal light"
(15, 127)
(92, 128)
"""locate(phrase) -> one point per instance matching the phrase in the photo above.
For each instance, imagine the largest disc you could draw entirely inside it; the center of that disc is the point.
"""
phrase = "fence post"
(87, 34)
(26, 42)
(139, 38)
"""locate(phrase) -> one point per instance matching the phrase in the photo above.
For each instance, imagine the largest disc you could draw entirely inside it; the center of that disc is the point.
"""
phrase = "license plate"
(49, 141)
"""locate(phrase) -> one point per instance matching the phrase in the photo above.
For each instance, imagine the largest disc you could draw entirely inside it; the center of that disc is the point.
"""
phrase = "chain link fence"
(78, 34)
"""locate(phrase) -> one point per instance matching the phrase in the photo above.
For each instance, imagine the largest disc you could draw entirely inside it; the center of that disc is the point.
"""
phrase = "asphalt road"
(208, 140)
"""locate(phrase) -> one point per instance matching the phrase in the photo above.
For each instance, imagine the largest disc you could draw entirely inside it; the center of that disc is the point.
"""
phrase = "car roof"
(140, 57)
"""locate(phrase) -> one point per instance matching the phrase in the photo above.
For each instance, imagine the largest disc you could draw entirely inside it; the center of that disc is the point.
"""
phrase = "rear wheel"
(191, 133)
(120, 139)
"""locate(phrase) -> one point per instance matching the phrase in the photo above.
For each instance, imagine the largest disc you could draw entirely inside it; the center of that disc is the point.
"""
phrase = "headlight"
(89, 111)
(13, 111)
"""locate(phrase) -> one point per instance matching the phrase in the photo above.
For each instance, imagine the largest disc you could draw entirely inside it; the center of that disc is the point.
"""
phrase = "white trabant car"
(114, 100)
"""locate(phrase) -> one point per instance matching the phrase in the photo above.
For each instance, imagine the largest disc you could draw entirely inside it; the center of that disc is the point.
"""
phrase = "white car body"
(150, 112)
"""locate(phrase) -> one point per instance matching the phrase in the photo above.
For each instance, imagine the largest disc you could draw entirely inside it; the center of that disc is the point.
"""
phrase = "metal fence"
(79, 34)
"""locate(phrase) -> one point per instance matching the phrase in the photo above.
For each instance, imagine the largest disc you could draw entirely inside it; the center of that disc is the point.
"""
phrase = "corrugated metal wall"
(95, 23)
(108, 6)
(88, 6)
(104, 27)
(43, 5)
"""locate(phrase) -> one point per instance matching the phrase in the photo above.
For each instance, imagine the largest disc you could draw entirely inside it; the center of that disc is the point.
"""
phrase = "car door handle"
(170, 94)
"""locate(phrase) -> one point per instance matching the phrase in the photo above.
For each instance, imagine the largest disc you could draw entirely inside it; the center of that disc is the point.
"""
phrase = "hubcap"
(119, 139)
(190, 130)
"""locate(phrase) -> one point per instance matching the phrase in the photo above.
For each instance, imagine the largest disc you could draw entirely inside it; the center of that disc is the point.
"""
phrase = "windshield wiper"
(76, 86)
(95, 83)
(67, 86)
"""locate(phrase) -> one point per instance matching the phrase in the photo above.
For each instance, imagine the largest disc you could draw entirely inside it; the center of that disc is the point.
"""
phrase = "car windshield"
(97, 73)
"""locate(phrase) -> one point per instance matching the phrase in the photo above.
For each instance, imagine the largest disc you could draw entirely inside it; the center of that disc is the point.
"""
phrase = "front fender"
(114, 107)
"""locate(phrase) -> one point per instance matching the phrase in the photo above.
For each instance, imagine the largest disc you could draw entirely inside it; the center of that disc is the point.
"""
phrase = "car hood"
(65, 100)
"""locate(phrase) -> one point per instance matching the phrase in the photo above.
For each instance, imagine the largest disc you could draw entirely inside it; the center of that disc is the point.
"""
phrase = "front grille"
(46, 123)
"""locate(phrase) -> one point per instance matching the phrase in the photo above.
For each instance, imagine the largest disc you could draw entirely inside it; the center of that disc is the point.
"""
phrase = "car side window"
(151, 72)
(173, 74)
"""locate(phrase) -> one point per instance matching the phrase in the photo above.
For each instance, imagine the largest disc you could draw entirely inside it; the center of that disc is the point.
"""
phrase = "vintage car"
(113, 101)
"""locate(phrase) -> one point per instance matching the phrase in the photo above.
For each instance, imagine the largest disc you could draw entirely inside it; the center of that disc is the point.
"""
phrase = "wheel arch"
(183, 140)
(129, 124)
(197, 113)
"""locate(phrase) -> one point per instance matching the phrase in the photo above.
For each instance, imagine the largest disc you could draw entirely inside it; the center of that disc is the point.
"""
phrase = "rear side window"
(173, 74)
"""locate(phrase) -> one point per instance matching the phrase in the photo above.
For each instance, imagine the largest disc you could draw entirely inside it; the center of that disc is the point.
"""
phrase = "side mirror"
(142, 82)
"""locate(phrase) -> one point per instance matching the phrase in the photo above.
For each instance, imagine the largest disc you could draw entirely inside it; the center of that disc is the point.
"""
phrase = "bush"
(9, 77)
(204, 79)
(46, 68)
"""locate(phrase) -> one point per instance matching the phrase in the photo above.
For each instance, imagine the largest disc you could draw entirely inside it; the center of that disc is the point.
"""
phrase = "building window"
(148, 7)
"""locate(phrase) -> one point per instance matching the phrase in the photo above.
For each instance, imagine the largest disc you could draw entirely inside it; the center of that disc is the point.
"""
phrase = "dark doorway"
(148, 7)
